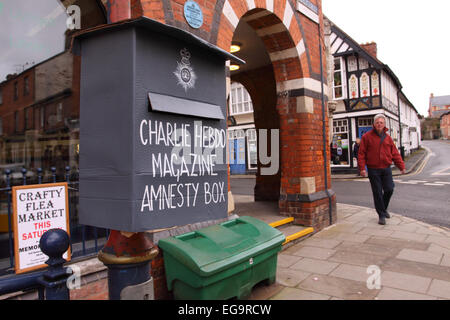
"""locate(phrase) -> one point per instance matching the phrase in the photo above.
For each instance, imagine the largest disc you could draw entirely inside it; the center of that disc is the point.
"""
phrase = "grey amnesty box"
(152, 127)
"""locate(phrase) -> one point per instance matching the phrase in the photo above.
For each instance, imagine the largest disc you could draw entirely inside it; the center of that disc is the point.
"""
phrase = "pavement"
(358, 259)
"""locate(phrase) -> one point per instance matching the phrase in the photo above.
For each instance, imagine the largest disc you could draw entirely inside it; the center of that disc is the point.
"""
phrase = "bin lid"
(215, 248)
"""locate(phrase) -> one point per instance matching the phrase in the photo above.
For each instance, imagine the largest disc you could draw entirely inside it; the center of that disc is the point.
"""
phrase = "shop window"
(340, 143)
(365, 122)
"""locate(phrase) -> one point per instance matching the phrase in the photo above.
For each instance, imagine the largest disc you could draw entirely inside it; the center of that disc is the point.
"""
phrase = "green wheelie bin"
(222, 261)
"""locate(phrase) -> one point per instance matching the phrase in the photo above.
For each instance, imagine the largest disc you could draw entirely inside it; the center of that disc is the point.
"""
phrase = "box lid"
(216, 248)
(156, 26)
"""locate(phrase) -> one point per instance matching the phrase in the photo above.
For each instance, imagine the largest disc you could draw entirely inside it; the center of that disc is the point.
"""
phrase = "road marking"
(434, 184)
(410, 181)
(441, 172)
(443, 182)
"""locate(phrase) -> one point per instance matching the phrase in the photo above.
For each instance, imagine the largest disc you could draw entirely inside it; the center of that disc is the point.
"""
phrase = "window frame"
(26, 85)
(240, 100)
(343, 85)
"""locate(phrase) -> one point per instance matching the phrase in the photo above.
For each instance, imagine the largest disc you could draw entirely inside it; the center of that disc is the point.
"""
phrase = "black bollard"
(54, 243)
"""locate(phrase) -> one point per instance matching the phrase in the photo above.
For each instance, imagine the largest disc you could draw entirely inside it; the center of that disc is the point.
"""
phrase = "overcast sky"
(30, 30)
(412, 37)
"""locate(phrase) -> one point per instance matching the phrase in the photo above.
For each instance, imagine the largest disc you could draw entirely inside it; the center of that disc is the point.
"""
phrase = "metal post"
(128, 256)
(54, 243)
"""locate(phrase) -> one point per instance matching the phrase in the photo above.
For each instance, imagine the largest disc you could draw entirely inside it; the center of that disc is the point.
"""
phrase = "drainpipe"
(402, 150)
(324, 132)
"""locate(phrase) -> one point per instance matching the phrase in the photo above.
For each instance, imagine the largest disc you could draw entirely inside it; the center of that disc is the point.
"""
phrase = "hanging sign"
(36, 209)
(193, 14)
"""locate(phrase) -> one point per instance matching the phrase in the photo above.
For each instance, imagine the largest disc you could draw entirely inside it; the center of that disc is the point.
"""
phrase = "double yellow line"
(294, 236)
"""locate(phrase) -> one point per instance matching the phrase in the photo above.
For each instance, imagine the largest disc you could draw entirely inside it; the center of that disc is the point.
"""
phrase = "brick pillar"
(260, 83)
(303, 195)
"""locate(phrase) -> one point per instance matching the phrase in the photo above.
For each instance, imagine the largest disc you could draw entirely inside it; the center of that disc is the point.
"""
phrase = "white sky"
(30, 30)
(412, 37)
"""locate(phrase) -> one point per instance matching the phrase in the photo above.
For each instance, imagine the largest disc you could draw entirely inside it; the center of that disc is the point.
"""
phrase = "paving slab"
(359, 238)
(314, 252)
(417, 268)
(338, 287)
(369, 248)
(351, 272)
(358, 217)
(404, 281)
(440, 289)
(314, 266)
(405, 227)
(357, 258)
(439, 240)
(286, 260)
(290, 277)
(298, 294)
(321, 243)
(370, 231)
(396, 294)
(446, 260)
(420, 256)
(430, 230)
(398, 243)
(438, 249)
(347, 227)
(408, 236)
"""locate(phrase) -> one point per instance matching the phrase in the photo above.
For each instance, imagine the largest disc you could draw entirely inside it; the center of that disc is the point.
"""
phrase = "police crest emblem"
(184, 72)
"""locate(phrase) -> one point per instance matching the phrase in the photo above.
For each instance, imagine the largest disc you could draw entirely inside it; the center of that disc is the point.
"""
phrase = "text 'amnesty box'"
(152, 127)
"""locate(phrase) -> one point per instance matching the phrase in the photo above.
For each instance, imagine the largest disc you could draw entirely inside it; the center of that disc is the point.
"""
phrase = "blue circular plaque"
(193, 14)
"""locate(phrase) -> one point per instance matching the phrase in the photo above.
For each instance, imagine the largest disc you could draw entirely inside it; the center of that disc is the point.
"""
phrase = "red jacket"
(378, 155)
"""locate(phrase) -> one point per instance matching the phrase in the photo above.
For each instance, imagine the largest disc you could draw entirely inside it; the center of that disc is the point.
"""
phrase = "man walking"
(377, 151)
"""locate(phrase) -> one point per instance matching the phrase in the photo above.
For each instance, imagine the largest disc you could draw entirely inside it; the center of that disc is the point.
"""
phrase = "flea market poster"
(37, 208)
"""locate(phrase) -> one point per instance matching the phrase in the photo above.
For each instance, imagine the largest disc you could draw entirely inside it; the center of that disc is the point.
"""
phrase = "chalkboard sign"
(152, 128)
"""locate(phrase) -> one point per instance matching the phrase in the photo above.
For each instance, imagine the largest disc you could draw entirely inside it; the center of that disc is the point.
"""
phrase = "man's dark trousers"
(382, 188)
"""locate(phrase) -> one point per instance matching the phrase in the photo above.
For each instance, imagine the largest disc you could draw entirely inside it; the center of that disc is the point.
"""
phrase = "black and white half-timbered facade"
(361, 87)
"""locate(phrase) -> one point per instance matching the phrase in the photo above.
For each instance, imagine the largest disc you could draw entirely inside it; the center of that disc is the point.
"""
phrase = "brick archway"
(295, 59)
(293, 41)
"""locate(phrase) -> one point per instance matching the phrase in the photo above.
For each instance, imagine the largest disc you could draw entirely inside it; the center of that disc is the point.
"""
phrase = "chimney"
(371, 48)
